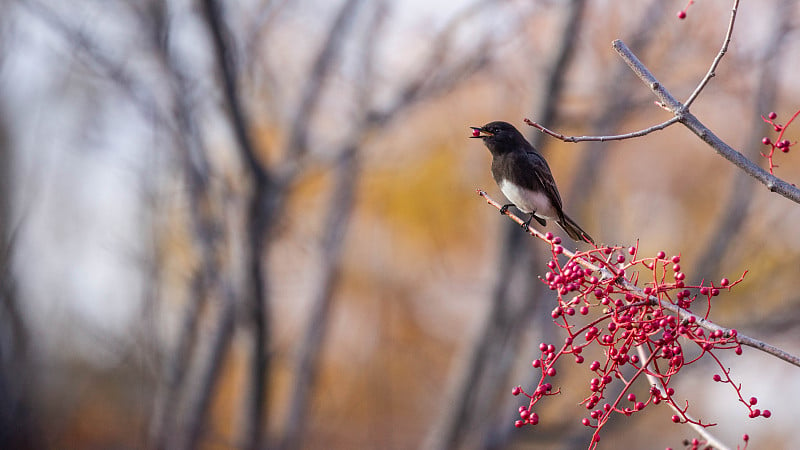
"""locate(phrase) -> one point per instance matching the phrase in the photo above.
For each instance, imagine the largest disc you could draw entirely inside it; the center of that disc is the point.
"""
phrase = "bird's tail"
(574, 230)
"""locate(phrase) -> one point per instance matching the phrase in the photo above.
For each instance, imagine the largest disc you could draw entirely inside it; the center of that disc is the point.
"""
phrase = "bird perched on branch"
(525, 178)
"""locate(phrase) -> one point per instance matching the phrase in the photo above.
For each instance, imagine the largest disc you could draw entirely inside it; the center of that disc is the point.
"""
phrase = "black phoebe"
(525, 178)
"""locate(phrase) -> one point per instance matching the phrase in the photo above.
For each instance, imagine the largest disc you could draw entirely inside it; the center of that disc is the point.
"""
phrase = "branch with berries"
(779, 143)
(645, 319)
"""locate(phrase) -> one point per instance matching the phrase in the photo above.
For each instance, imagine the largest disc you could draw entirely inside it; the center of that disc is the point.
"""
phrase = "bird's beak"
(478, 132)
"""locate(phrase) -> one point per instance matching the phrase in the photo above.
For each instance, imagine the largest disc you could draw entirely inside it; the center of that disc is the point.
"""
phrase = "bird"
(525, 179)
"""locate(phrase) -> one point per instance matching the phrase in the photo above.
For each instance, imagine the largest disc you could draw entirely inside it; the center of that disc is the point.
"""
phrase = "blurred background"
(253, 224)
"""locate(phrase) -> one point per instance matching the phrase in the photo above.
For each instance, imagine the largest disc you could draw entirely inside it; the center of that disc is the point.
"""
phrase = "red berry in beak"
(476, 132)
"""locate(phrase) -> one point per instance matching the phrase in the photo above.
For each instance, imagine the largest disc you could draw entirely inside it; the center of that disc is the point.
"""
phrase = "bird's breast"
(528, 200)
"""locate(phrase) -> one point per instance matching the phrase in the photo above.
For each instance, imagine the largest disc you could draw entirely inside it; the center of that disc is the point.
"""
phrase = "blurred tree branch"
(432, 79)
(263, 209)
(476, 386)
(18, 428)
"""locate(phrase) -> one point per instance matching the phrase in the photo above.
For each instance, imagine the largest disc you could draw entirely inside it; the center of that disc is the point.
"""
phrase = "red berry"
(516, 390)
(745, 438)
(551, 372)
(519, 424)
(766, 413)
(631, 250)
(772, 115)
(556, 240)
(536, 363)
(638, 406)
(675, 418)
(631, 397)
(724, 282)
(586, 421)
(681, 15)
(620, 259)
(549, 235)
(717, 377)
(766, 141)
(661, 255)
(753, 400)
(676, 259)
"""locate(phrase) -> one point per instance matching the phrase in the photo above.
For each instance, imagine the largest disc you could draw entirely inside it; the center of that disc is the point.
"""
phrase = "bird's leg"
(526, 225)
(504, 209)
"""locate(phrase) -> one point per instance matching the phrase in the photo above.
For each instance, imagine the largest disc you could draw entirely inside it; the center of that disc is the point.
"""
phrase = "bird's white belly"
(528, 201)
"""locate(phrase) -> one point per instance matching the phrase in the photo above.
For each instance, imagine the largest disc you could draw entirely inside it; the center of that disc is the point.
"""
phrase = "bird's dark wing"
(545, 178)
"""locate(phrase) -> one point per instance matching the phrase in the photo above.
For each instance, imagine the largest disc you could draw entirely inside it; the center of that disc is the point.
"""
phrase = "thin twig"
(712, 70)
(682, 313)
(617, 137)
(699, 429)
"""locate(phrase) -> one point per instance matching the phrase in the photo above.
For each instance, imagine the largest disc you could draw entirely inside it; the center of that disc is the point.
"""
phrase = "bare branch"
(773, 183)
(668, 102)
(682, 313)
(617, 137)
(712, 70)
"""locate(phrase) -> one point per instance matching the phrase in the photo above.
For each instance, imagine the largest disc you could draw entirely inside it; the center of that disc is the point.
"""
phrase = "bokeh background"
(253, 224)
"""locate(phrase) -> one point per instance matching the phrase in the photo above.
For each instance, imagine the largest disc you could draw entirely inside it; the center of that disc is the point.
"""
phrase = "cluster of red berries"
(642, 330)
(784, 145)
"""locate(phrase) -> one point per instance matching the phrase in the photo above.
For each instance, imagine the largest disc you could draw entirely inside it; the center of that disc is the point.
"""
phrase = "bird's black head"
(500, 137)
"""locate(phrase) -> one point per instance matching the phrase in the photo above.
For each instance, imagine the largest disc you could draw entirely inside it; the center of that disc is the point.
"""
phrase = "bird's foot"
(504, 209)
(526, 226)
